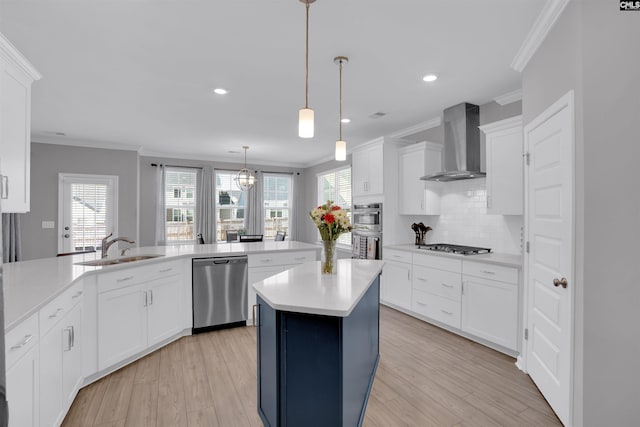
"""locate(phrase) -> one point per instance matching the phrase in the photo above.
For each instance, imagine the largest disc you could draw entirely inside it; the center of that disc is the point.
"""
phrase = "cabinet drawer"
(280, 258)
(51, 313)
(400, 256)
(441, 309)
(442, 283)
(20, 340)
(490, 271)
(438, 262)
(138, 274)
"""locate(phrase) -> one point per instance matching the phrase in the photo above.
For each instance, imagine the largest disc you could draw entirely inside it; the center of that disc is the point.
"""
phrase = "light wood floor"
(426, 377)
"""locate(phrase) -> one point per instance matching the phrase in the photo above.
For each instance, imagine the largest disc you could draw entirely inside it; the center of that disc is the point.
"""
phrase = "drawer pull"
(300, 258)
(266, 260)
(488, 272)
(422, 279)
(166, 270)
(447, 286)
(396, 256)
(54, 315)
(76, 295)
(124, 279)
(421, 303)
(446, 312)
(24, 342)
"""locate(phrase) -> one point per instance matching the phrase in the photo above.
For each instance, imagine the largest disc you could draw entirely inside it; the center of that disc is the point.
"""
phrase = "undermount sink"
(102, 262)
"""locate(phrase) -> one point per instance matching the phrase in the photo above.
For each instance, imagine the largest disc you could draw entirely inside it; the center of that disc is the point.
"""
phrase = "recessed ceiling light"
(346, 120)
(430, 78)
(220, 91)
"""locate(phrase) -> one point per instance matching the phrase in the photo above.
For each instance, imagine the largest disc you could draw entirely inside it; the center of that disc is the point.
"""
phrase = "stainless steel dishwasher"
(219, 292)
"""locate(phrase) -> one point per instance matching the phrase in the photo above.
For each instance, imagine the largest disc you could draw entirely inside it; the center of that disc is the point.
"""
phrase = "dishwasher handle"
(221, 261)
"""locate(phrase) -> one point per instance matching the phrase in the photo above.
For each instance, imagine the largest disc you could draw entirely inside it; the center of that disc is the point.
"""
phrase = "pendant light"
(305, 115)
(341, 145)
(244, 180)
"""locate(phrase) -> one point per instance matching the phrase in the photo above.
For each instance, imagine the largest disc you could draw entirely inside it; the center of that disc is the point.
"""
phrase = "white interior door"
(87, 211)
(549, 265)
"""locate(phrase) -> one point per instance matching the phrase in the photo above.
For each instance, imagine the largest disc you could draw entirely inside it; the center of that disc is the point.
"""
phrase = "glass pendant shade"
(341, 151)
(305, 123)
(244, 179)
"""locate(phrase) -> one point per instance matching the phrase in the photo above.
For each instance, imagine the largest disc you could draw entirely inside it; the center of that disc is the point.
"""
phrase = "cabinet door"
(15, 134)
(411, 191)
(122, 324)
(22, 391)
(255, 275)
(490, 310)
(51, 346)
(375, 167)
(359, 172)
(396, 284)
(71, 354)
(164, 299)
(432, 190)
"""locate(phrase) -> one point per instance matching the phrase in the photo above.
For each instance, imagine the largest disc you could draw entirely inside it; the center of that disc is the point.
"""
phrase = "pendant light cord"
(340, 118)
(306, 76)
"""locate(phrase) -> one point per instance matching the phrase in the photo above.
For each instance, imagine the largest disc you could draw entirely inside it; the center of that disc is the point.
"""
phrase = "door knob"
(66, 236)
(66, 228)
(560, 282)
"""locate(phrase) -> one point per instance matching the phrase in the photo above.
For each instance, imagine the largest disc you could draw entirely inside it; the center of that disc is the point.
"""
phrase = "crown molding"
(9, 53)
(500, 125)
(107, 145)
(422, 126)
(548, 16)
(509, 97)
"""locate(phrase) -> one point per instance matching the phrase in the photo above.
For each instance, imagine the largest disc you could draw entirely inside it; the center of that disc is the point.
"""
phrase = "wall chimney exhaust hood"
(461, 157)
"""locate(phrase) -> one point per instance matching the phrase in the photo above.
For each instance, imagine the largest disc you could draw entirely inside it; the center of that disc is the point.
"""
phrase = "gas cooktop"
(455, 249)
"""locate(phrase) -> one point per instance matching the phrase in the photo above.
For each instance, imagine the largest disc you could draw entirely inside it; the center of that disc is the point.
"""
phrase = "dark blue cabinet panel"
(317, 370)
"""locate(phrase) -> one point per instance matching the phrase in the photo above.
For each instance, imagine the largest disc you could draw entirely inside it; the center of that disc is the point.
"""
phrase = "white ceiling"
(141, 72)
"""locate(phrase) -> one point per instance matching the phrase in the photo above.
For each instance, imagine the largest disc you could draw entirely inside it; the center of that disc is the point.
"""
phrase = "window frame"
(342, 245)
(182, 190)
(216, 201)
(288, 208)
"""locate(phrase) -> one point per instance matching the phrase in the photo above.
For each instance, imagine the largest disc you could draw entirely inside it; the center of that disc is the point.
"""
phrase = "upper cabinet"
(504, 166)
(16, 77)
(366, 170)
(417, 197)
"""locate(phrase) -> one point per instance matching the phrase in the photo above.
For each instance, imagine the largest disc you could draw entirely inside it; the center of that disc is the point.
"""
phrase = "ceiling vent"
(377, 115)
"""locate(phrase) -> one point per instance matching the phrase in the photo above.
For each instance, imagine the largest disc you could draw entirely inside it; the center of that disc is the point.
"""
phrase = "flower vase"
(329, 257)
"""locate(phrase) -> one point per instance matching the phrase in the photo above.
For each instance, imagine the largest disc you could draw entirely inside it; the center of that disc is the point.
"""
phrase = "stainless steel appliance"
(4, 411)
(455, 249)
(219, 292)
(366, 237)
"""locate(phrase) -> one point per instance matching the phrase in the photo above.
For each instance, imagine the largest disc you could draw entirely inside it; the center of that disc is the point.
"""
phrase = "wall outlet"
(48, 224)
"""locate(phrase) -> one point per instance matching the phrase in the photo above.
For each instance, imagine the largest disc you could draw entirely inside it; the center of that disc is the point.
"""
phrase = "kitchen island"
(318, 343)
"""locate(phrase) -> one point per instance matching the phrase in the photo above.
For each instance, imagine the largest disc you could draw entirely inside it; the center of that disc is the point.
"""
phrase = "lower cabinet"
(396, 284)
(490, 310)
(23, 374)
(132, 318)
(257, 274)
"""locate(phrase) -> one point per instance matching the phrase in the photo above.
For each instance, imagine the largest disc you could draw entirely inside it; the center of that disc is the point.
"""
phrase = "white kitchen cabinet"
(395, 282)
(366, 170)
(23, 375)
(16, 77)
(504, 164)
(437, 289)
(490, 306)
(72, 355)
(255, 275)
(164, 313)
(417, 197)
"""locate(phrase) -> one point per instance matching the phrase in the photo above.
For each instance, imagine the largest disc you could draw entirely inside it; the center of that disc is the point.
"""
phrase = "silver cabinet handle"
(166, 270)
(422, 279)
(73, 336)
(24, 342)
(488, 272)
(151, 297)
(5, 186)
(446, 312)
(146, 299)
(266, 260)
(69, 339)
(76, 295)
(124, 279)
(421, 303)
(446, 286)
(253, 313)
(54, 315)
(300, 258)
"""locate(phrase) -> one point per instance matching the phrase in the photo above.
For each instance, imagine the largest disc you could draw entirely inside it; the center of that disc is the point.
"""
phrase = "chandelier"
(244, 180)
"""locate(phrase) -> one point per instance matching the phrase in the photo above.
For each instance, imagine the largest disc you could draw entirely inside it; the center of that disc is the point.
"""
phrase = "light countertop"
(304, 289)
(509, 260)
(30, 285)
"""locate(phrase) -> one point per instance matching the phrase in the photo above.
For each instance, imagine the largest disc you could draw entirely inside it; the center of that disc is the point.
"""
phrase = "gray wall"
(587, 52)
(47, 160)
(148, 188)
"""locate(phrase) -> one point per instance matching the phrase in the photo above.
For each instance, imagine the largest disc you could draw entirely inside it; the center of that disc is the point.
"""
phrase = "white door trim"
(566, 101)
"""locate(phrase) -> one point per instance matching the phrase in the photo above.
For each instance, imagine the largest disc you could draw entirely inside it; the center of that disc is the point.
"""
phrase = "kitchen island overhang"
(318, 343)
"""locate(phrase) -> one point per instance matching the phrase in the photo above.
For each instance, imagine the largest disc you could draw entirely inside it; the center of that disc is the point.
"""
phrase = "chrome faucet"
(106, 243)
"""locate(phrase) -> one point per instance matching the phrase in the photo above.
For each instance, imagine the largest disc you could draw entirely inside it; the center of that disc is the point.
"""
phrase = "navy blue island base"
(317, 370)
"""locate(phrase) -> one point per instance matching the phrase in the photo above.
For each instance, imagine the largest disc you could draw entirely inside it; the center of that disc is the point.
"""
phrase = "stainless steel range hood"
(461, 158)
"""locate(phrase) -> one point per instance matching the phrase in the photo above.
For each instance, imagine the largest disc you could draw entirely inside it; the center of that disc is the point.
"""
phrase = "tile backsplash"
(464, 220)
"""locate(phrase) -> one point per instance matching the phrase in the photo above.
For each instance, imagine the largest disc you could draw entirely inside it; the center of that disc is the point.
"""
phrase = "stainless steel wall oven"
(367, 231)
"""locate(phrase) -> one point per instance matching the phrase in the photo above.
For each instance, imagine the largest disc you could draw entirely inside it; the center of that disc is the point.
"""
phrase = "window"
(87, 210)
(180, 203)
(230, 205)
(277, 203)
(336, 185)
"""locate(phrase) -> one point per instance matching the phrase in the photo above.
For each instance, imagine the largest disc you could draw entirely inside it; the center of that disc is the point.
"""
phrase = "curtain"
(297, 197)
(206, 213)
(11, 238)
(254, 220)
(160, 209)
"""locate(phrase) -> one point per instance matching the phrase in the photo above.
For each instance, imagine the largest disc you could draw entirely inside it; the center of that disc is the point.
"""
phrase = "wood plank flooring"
(426, 377)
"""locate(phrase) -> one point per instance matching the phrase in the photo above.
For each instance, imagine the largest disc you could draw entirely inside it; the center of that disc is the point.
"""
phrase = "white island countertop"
(29, 285)
(304, 289)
